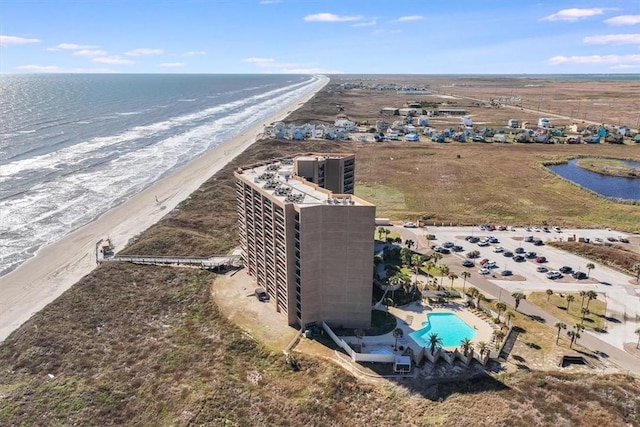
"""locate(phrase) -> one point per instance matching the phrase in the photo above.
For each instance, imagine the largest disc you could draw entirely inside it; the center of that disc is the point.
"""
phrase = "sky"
(320, 36)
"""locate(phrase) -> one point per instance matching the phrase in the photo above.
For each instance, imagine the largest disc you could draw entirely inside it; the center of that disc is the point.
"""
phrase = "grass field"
(557, 306)
(609, 167)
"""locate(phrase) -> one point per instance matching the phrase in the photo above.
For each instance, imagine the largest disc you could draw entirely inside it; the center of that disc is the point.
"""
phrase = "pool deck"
(411, 316)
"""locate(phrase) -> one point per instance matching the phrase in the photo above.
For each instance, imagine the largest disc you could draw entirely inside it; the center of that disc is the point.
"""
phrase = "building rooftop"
(277, 178)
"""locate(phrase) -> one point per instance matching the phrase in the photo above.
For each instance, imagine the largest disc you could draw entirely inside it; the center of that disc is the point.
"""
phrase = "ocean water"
(74, 146)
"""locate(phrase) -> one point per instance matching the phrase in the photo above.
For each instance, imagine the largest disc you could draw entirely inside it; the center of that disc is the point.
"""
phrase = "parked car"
(519, 250)
(498, 249)
(483, 243)
(541, 260)
(528, 238)
(536, 229)
(542, 269)
(483, 261)
(490, 264)
(467, 263)
(506, 273)
(447, 244)
(557, 229)
(409, 225)
(623, 240)
(553, 275)
(442, 250)
(484, 271)
(473, 239)
(531, 254)
(566, 269)
(538, 242)
(457, 248)
(507, 254)
(493, 239)
(519, 258)
(579, 275)
(261, 294)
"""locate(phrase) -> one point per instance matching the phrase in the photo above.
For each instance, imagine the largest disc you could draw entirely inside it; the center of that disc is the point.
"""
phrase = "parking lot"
(617, 289)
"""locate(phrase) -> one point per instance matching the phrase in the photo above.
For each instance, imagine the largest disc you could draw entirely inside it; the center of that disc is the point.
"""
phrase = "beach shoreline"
(59, 265)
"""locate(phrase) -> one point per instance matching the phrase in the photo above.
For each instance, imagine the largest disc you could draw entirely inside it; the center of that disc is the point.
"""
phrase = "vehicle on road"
(484, 271)
(490, 264)
(467, 263)
(409, 225)
(556, 229)
(536, 229)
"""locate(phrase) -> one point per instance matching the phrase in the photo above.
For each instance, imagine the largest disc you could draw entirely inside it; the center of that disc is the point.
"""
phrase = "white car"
(536, 229)
(557, 229)
(490, 264)
(498, 249)
(483, 243)
(409, 225)
(484, 271)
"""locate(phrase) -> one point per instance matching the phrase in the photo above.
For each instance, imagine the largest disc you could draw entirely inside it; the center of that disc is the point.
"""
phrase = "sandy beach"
(59, 265)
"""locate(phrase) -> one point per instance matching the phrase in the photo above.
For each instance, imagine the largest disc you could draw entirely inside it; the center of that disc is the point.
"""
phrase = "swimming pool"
(449, 327)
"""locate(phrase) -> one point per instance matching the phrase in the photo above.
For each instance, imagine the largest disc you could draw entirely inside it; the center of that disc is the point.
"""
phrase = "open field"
(557, 306)
(131, 345)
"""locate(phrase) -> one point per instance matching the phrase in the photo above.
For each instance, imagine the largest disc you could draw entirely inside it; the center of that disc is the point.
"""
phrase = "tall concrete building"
(309, 247)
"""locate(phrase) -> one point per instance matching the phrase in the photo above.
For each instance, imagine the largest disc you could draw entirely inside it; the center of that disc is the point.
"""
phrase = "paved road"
(624, 360)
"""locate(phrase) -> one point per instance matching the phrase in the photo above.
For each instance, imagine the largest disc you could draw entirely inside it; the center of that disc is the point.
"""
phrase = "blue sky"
(320, 36)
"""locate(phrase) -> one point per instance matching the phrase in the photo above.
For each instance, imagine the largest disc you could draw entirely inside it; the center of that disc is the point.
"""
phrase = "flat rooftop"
(277, 178)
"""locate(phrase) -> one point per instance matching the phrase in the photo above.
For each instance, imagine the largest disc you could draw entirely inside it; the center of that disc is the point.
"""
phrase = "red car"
(540, 260)
(484, 261)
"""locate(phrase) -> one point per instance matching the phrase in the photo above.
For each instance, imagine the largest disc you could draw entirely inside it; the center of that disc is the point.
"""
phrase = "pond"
(608, 186)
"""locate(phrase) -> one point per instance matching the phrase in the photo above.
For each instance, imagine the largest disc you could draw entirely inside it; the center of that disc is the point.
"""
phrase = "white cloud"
(172, 64)
(72, 46)
(365, 24)
(613, 39)
(90, 53)
(40, 68)
(574, 14)
(410, 18)
(624, 67)
(623, 20)
(270, 1)
(594, 59)
(193, 53)
(259, 61)
(13, 40)
(113, 60)
(330, 17)
(144, 52)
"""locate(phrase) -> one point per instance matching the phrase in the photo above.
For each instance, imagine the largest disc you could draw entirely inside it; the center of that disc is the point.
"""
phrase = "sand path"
(58, 266)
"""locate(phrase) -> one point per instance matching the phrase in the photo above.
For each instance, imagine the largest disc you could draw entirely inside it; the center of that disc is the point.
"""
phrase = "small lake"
(607, 186)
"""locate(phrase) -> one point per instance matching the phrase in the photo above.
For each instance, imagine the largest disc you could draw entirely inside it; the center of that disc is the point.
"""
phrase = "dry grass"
(616, 256)
(557, 306)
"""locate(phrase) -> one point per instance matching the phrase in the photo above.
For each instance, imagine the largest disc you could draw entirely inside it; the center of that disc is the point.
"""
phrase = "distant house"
(423, 121)
(381, 126)
(451, 111)
(414, 105)
(388, 111)
(345, 124)
(544, 122)
(513, 123)
(412, 137)
(410, 111)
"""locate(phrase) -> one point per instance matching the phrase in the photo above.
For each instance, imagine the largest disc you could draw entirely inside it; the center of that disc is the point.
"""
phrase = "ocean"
(74, 146)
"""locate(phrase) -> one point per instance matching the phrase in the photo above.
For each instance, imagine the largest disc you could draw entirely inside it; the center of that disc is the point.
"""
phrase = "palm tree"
(591, 295)
(381, 231)
(518, 296)
(637, 332)
(434, 342)
(444, 270)
(590, 266)
(583, 294)
(417, 261)
(465, 275)
(549, 293)
(508, 316)
(479, 297)
(636, 269)
(500, 306)
(570, 299)
(560, 326)
(409, 243)
(405, 256)
(452, 276)
(482, 348)
(436, 256)
(585, 312)
(359, 334)
(499, 335)
(389, 302)
(574, 334)
(387, 232)
(466, 345)
(397, 333)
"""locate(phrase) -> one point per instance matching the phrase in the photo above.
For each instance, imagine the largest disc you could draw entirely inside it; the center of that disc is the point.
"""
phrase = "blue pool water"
(449, 327)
